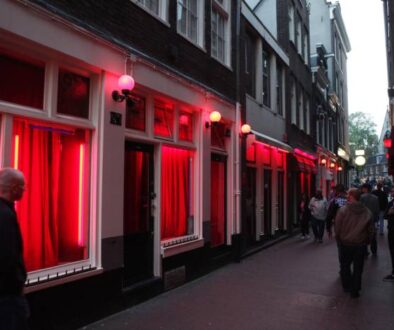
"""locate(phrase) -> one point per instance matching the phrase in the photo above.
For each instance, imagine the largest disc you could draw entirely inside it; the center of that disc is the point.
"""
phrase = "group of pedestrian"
(356, 216)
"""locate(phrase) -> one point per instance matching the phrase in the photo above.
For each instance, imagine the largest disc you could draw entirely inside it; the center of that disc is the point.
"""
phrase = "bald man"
(14, 310)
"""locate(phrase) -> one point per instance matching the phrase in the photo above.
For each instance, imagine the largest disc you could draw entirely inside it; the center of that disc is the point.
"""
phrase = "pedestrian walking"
(13, 305)
(353, 231)
(336, 203)
(389, 215)
(372, 203)
(318, 208)
(383, 202)
(305, 215)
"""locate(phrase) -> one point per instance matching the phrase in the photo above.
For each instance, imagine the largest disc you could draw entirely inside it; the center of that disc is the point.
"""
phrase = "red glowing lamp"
(323, 161)
(340, 168)
(332, 165)
(387, 155)
(126, 84)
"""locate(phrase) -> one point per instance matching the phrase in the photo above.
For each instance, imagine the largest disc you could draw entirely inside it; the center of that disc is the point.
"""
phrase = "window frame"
(266, 75)
(162, 14)
(200, 23)
(49, 116)
(222, 11)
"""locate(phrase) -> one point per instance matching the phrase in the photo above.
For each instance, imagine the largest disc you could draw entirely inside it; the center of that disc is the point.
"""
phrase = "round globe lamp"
(360, 160)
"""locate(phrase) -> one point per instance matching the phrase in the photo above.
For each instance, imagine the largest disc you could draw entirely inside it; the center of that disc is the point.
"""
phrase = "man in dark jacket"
(336, 203)
(353, 231)
(13, 305)
(372, 203)
(390, 234)
(382, 197)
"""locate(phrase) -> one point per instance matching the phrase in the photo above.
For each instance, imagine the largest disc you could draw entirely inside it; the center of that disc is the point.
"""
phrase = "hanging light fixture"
(214, 118)
(126, 84)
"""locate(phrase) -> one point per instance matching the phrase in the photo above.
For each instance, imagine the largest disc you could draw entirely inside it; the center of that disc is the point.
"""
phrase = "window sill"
(195, 44)
(48, 282)
(183, 244)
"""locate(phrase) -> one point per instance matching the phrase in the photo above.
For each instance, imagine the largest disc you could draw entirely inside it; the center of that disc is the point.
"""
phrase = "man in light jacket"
(354, 229)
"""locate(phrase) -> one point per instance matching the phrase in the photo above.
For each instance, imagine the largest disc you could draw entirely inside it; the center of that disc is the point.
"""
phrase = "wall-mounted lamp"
(340, 168)
(332, 165)
(387, 139)
(214, 118)
(246, 129)
(323, 161)
(126, 84)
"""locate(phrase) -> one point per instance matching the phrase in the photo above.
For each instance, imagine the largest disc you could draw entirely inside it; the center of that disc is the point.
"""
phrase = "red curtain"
(49, 211)
(218, 192)
(175, 192)
(136, 200)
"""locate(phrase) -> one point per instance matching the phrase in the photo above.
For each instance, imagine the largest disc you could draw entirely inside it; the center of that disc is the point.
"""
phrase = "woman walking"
(318, 208)
(305, 215)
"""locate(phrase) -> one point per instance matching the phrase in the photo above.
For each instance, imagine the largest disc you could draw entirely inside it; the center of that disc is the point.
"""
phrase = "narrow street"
(292, 285)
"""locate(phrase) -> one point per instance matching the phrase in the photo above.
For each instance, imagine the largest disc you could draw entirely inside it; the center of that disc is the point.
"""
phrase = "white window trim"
(69, 271)
(291, 17)
(200, 25)
(225, 11)
(293, 105)
(163, 11)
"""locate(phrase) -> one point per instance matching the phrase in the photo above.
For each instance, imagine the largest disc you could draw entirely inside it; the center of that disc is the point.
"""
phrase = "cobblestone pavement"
(292, 285)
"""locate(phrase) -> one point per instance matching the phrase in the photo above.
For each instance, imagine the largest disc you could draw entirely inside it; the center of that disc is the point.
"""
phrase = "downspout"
(237, 164)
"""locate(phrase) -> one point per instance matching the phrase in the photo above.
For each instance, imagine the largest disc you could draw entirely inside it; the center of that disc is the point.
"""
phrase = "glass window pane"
(135, 113)
(218, 135)
(164, 119)
(54, 212)
(176, 193)
(22, 81)
(185, 126)
(73, 94)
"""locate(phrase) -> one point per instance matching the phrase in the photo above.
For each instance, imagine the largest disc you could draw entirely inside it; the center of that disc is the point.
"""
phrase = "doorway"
(138, 229)
(267, 223)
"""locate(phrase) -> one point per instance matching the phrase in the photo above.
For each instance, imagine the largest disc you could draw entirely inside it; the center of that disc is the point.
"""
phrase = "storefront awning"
(306, 165)
(259, 137)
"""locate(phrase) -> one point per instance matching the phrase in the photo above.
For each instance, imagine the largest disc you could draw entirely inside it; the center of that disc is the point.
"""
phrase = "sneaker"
(389, 278)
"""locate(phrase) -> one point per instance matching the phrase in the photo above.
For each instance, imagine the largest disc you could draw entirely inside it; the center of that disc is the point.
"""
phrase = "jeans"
(14, 312)
(304, 227)
(318, 228)
(381, 222)
(351, 255)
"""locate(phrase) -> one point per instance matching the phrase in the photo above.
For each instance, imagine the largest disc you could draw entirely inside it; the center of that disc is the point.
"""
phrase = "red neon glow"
(80, 197)
(387, 143)
(126, 82)
(387, 155)
(304, 154)
(16, 152)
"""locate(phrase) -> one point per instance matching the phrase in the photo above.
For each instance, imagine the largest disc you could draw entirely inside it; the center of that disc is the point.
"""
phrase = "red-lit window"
(164, 119)
(22, 81)
(218, 135)
(267, 155)
(279, 159)
(251, 153)
(176, 192)
(54, 212)
(135, 113)
(218, 200)
(185, 126)
(73, 94)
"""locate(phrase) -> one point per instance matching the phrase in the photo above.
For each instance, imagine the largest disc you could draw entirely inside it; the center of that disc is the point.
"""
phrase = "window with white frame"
(266, 79)
(299, 36)
(307, 116)
(190, 20)
(291, 22)
(306, 52)
(279, 89)
(158, 8)
(55, 157)
(301, 109)
(293, 103)
(220, 25)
